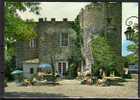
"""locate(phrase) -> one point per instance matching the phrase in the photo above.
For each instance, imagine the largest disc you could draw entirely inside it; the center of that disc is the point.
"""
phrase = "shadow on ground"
(36, 94)
(119, 82)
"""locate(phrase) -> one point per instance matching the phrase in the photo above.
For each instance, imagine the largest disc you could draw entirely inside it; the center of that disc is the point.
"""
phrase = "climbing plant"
(76, 58)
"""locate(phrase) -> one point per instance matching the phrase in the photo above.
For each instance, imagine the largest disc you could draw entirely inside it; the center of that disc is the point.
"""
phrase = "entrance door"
(61, 68)
(64, 68)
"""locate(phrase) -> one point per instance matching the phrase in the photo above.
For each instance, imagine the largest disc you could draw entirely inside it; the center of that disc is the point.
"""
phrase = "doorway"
(62, 68)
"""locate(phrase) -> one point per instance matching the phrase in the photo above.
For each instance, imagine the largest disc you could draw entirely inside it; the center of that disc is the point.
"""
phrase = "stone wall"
(100, 19)
(114, 28)
(27, 67)
(95, 19)
(49, 32)
(24, 52)
(47, 43)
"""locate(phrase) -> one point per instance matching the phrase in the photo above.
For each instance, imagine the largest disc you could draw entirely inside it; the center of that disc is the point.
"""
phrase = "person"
(34, 81)
(39, 76)
(100, 82)
(100, 79)
(100, 73)
(79, 75)
(27, 82)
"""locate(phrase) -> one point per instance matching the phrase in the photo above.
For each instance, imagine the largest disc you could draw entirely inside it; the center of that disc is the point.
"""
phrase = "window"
(63, 39)
(32, 43)
(31, 70)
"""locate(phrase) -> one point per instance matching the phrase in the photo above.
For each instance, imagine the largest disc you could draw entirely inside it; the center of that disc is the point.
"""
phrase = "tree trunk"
(52, 63)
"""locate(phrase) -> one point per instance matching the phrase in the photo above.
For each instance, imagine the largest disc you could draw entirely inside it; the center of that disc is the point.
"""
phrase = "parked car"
(133, 68)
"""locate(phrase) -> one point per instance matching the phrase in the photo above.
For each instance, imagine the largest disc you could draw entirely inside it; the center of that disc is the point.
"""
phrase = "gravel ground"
(73, 88)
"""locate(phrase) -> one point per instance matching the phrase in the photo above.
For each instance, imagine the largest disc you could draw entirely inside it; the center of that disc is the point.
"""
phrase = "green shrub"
(105, 57)
(10, 66)
(128, 76)
(51, 78)
(72, 72)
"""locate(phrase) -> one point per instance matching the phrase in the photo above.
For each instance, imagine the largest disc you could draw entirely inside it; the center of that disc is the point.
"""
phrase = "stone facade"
(55, 40)
(100, 19)
(50, 34)
(25, 52)
(95, 19)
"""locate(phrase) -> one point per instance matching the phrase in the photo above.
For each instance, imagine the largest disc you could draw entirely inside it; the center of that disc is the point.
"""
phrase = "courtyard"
(64, 49)
(73, 88)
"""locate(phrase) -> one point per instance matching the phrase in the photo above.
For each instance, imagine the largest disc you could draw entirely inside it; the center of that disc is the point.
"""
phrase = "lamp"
(129, 22)
(129, 33)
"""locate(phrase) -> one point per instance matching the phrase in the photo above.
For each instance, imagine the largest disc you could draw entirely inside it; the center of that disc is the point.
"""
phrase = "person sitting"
(100, 79)
(80, 75)
(27, 82)
(100, 82)
(34, 81)
(40, 76)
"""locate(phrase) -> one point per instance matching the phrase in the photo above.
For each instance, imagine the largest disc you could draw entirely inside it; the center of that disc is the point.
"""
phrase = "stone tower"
(100, 19)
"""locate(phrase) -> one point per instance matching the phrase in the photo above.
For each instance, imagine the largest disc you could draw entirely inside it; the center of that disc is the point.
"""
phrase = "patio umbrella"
(17, 72)
(45, 66)
(18, 75)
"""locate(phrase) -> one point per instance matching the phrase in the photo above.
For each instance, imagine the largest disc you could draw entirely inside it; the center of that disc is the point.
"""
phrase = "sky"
(70, 10)
(57, 10)
(128, 9)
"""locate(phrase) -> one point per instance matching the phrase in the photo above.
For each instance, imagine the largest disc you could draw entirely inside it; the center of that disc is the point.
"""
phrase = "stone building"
(56, 38)
(55, 41)
(100, 19)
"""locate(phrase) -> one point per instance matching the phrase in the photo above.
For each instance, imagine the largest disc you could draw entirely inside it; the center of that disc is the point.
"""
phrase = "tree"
(76, 59)
(16, 29)
(105, 57)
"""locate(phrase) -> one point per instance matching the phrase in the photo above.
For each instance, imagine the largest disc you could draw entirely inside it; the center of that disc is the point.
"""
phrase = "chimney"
(40, 19)
(65, 19)
(52, 19)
